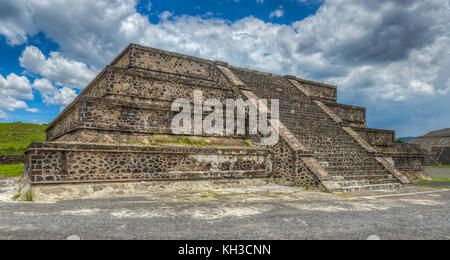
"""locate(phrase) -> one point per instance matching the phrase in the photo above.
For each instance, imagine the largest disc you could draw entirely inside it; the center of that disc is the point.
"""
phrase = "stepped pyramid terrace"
(119, 130)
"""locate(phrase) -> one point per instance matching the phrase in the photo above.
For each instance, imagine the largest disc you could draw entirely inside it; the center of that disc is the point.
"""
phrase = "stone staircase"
(346, 162)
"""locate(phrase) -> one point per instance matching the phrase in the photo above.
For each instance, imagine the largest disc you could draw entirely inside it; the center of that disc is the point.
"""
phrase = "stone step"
(367, 182)
(343, 158)
(348, 161)
(338, 166)
(354, 177)
(354, 168)
(334, 149)
(389, 186)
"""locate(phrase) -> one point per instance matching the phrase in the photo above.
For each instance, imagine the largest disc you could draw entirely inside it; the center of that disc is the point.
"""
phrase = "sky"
(391, 56)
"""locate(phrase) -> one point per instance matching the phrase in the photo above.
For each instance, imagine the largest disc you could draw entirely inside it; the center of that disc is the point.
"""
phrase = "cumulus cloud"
(11, 104)
(3, 115)
(63, 72)
(52, 95)
(32, 110)
(13, 88)
(84, 29)
(277, 13)
(16, 87)
(16, 21)
(386, 53)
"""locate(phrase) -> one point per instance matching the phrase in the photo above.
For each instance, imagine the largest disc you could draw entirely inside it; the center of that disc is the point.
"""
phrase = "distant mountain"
(405, 139)
(440, 138)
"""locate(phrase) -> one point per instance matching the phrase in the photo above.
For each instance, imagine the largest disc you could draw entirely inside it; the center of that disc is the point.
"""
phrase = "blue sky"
(391, 56)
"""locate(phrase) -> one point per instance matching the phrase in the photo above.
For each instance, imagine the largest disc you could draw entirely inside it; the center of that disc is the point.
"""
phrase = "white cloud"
(13, 88)
(44, 86)
(32, 110)
(52, 95)
(378, 52)
(277, 13)
(11, 104)
(16, 87)
(3, 115)
(62, 97)
(85, 30)
(16, 21)
(63, 72)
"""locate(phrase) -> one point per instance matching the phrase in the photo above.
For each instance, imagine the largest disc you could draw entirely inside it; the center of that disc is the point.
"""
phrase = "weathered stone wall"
(377, 137)
(444, 155)
(153, 86)
(288, 168)
(409, 162)
(65, 163)
(65, 124)
(407, 157)
(133, 91)
(321, 91)
(355, 116)
(12, 159)
(126, 138)
(156, 60)
(120, 116)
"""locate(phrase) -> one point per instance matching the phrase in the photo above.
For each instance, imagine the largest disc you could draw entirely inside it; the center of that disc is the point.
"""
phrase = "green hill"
(15, 137)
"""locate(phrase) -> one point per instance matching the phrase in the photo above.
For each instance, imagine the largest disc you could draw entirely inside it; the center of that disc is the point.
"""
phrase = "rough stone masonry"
(118, 130)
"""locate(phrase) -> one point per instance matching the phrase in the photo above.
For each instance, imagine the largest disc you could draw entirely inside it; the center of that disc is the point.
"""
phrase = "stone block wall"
(377, 137)
(129, 100)
(407, 157)
(355, 116)
(121, 117)
(163, 61)
(409, 162)
(12, 159)
(444, 158)
(319, 90)
(65, 124)
(67, 163)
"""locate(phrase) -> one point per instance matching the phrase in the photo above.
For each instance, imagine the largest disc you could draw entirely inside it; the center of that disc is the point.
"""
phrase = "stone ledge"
(313, 92)
(151, 131)
(176, 149)
(169, 53)
(185, 176)
(332, 103)
(374, 130)
(310, 82)
(164, 76)
(377, 137)
(12, 159)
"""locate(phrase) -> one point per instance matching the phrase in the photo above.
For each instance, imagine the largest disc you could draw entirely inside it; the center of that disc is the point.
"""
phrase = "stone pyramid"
(119, 130)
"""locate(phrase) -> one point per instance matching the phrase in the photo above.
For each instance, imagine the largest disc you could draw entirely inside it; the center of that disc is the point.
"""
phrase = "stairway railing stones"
(387, 162)
(302, 155)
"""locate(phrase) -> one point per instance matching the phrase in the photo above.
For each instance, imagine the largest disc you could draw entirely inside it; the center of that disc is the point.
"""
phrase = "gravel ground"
(411, 213)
